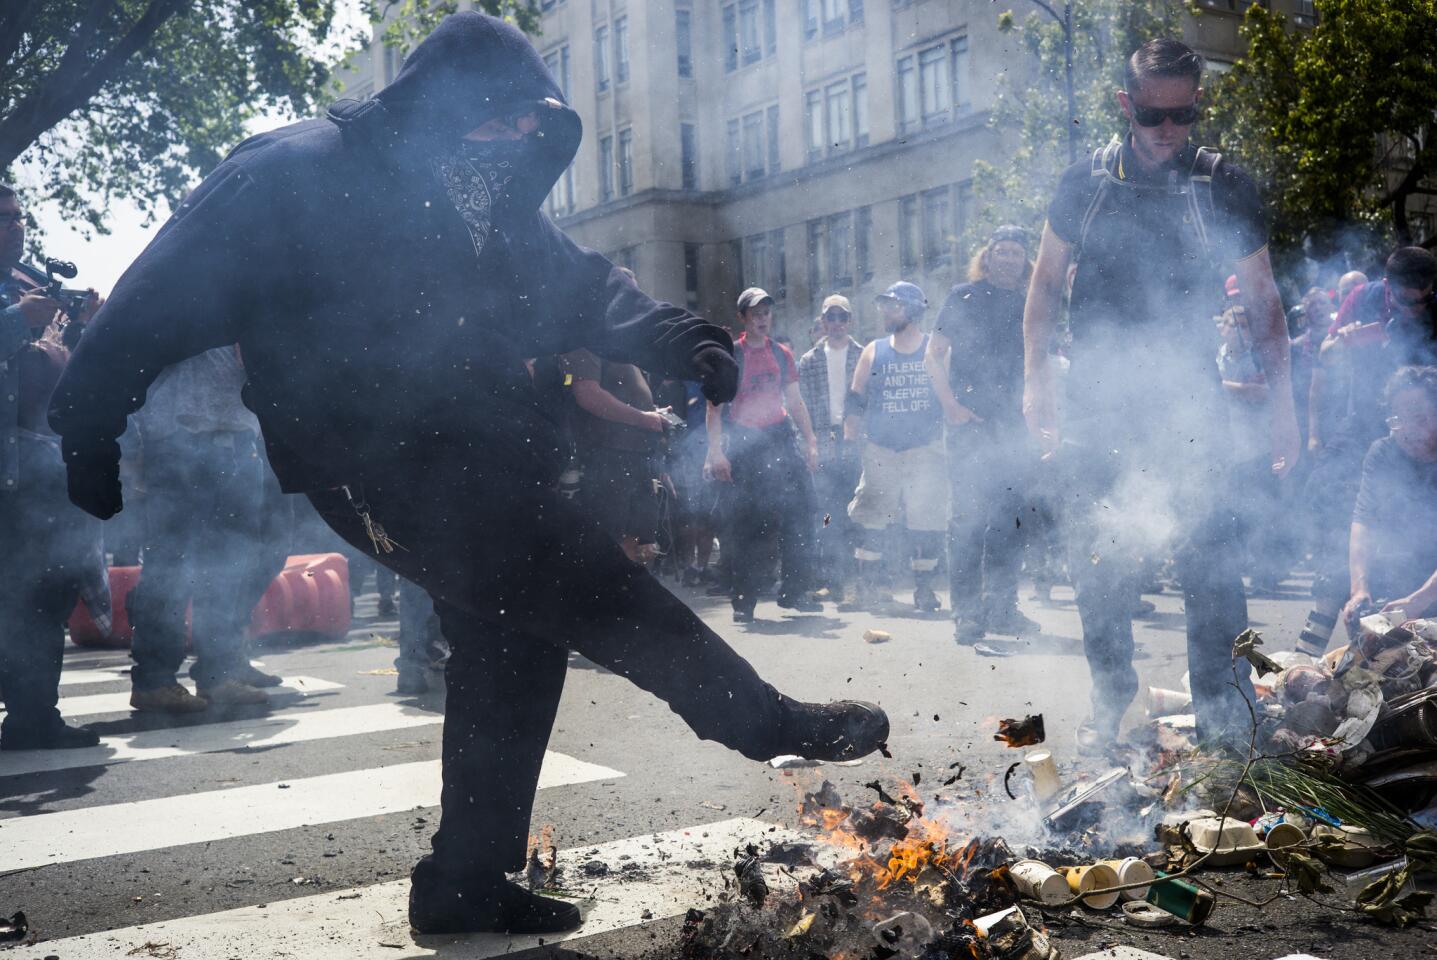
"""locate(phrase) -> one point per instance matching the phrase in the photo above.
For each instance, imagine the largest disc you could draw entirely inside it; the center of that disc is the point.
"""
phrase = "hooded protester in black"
(386, 273)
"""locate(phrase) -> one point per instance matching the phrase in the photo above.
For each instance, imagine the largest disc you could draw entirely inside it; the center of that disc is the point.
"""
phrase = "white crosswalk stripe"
(100, 703)
(369, 921)
(101, 672)
(272, 730)
(103, 831)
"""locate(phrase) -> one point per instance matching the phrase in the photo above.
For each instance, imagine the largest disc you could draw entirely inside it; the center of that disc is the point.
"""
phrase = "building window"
(833, 254)
(862, 234)
(938, 239)
(601, 58)
(933, 84)
(753, 153)
(689, 155)
(621, 49)
(606, 169)
(626, 162)
(691, 277)
(734, 154)
(735, 256)
(557, 61)
(1306, 13)
(750, 32)
(762, 263)
(830, 16)
(684, 40)
(773, 155)
(625, 257)
(730, 38)
(561, 197)
(815, 258)
(909, 235)
(840, 241)
(391, 62)
(836, 117)
(855, 11)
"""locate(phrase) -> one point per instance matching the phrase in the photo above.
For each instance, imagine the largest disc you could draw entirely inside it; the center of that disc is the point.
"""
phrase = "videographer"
(51, 549)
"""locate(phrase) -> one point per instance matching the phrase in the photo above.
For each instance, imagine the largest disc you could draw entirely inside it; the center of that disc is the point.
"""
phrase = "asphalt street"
(290, 831)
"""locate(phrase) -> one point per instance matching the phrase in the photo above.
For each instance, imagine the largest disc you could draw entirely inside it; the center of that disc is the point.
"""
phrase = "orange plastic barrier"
(311, 595)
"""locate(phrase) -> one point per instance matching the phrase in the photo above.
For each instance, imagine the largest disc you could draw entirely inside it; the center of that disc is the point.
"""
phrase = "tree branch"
(1049, 10)
(47, 106)
(73, 62)
(15, 18)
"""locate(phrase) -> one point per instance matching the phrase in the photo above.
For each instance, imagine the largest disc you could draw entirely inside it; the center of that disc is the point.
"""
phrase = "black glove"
(718, 373)
(93, 475)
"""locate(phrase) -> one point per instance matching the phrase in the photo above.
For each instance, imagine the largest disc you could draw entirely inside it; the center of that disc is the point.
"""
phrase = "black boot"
(440, 904)
(844, 730)
(52, 735)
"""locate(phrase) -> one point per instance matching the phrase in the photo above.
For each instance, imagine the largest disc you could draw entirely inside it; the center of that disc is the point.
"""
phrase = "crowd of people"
(1124, 390)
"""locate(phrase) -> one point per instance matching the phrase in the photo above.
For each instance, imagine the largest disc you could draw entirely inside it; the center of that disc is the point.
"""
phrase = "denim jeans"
(989, 472)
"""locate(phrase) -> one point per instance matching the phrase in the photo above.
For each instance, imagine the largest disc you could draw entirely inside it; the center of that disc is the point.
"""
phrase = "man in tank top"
(893, 409)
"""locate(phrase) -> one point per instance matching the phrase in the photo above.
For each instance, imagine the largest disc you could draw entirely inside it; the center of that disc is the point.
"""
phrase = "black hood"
(471, 69)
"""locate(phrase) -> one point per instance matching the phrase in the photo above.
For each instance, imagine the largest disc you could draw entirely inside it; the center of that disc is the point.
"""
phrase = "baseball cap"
(1013, 232)
(836, 300)
(908, 294)
(752, 297)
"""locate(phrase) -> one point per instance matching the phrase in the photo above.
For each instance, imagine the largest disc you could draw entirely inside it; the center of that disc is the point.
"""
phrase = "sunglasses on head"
(1154, 116)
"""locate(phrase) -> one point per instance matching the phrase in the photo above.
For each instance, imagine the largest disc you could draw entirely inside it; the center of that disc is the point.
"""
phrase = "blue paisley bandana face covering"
(477, 175)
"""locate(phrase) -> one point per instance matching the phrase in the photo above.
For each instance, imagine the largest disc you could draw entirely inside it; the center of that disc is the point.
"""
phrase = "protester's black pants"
(836, 537)
(1117, 507)
(202, 538)
(519, 577)
(989, 473)
(46, 542)
(772, 494)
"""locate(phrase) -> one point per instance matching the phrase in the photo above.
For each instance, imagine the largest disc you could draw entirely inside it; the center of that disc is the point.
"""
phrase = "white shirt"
(837, 381)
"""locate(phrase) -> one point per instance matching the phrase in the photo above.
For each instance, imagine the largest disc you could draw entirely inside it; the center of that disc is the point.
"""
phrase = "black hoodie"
(374, 339)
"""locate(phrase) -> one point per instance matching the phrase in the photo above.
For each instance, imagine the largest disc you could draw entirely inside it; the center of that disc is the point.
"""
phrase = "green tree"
(1031, 110)
(1337, 122)
(410, 21)
(135, 98)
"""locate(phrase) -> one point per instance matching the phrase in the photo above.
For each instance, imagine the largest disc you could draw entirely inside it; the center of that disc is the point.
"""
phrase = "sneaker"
(231, 693)
(844, 730)
(56, 735)
(743, 614)
(411, 683)
(253, 677)
(691, 577)
(1012, 621)
(386, 607)
(171, 699)
(926, 600)
(800, 603)
(440, 905)
(967, 631)
(1144, 608)
(1093, 741)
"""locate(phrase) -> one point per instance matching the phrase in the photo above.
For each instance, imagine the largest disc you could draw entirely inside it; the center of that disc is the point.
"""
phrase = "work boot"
(743, 614)
(926, 600)
(233, 693)
(799, 602)
(967, 630)
(55, 735)
(386, 606)
(254, 677)
(412, 683)
(1094, 739)
(1012, 621)
(169, 699)
(438, 904)
(844, 730)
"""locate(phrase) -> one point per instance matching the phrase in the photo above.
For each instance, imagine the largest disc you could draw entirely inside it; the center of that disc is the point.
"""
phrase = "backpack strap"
(1200, 199)
(1103, 170)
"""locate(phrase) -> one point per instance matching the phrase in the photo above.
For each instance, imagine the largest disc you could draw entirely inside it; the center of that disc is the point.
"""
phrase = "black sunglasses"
(840, 316)
(1154, 116)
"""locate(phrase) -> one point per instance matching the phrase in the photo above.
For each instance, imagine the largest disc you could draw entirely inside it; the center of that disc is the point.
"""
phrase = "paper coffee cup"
(1044, 769)
(1163, 703)
(1096, 877)
(1132, 870)
(1038, 881)
(1282, 835)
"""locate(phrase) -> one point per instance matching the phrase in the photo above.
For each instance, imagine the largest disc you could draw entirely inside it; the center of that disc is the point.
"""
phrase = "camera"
(72, 301)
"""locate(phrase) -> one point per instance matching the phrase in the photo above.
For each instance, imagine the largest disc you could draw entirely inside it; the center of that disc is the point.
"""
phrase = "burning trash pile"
(894, 879)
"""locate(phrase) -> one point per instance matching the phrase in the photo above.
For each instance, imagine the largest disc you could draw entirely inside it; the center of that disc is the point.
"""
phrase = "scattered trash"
(1140, 913)
(1027, 732)
(877, 636)
(791, 761)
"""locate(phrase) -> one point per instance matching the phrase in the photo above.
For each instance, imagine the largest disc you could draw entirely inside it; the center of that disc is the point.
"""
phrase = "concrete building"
(805, 146)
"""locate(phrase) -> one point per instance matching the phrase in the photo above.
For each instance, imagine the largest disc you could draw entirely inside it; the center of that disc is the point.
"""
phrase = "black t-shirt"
(1397, 502)
(1146, 292)
(1405, 341)
(985, 326)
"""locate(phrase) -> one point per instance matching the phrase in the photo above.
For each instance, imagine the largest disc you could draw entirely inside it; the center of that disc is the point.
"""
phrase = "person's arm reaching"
(935, 363)
(1040, 323)
(716, 465)
(593, 398)
(857, 395)
(186, 293)
(1359, 558)
(797, 409)
(1268, 325)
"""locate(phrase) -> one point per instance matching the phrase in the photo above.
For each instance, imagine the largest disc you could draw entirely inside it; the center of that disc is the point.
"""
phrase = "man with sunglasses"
(824, 374)
(1153, 224)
